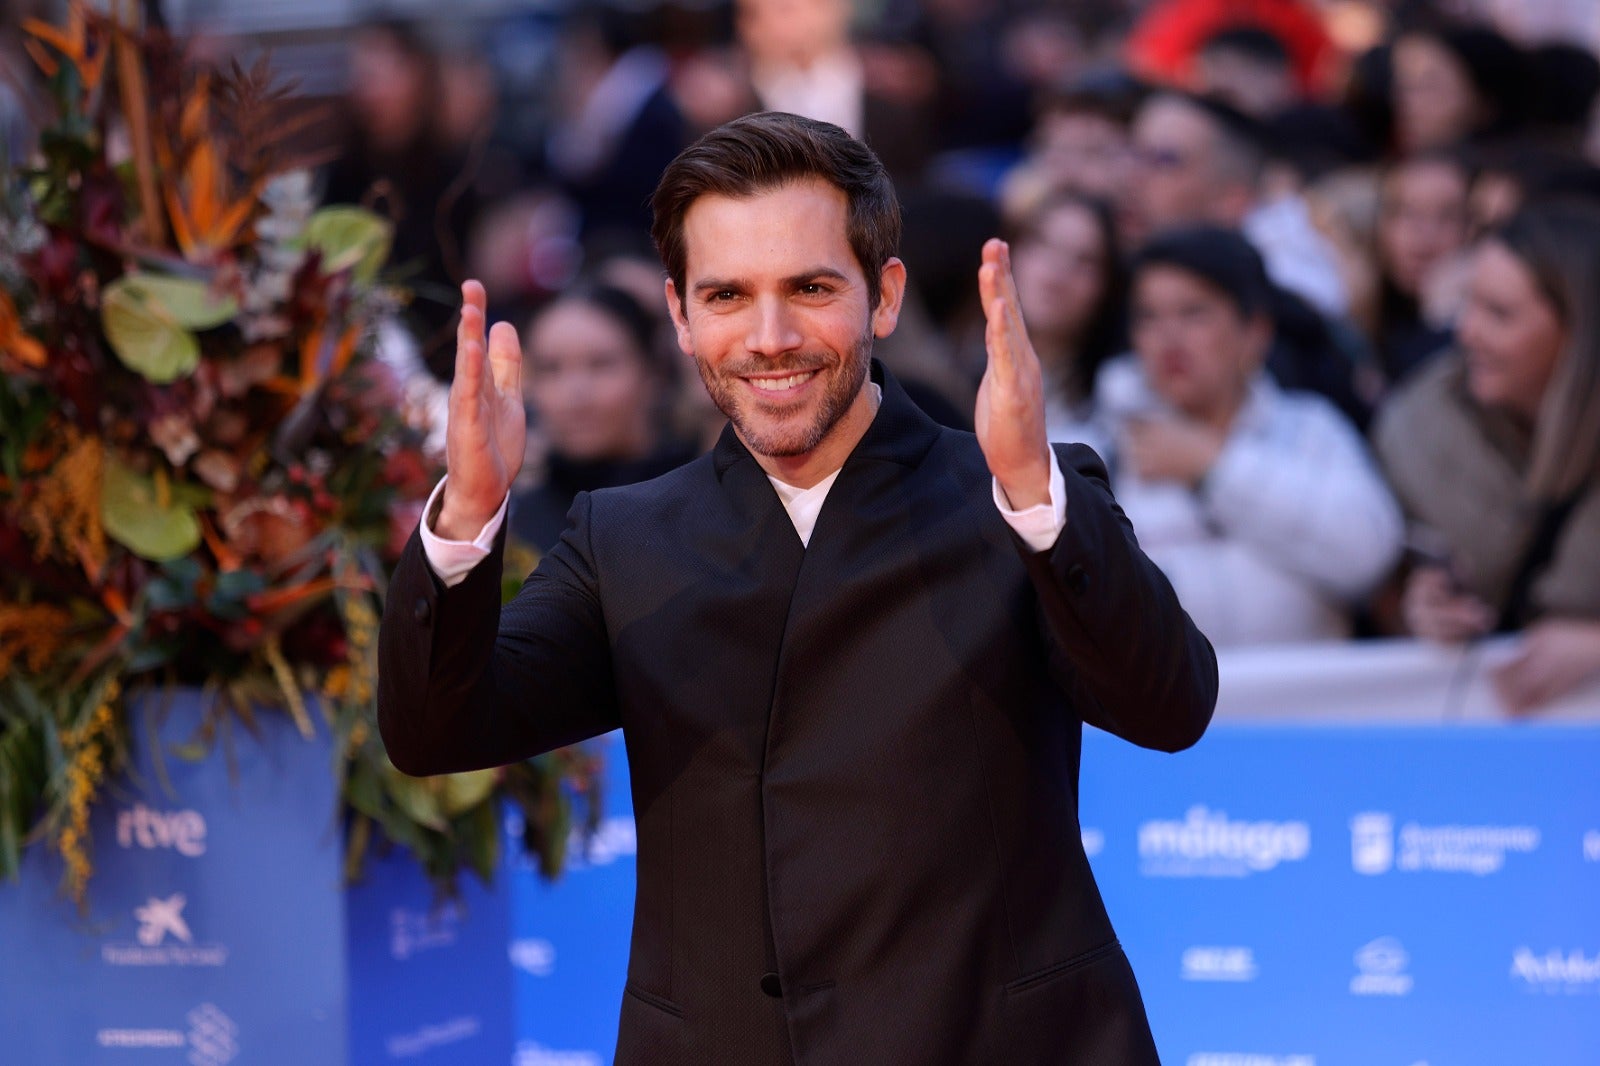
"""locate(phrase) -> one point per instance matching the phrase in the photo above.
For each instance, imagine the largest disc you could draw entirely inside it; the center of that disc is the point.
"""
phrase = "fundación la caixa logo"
(1208, 843)
(1376, 848)
(163, 938)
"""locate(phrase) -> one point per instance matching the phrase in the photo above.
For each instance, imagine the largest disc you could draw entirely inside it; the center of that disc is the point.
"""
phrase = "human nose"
(773, 330)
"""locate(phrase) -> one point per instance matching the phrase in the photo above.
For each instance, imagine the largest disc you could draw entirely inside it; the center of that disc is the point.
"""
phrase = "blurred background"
(1319, 279)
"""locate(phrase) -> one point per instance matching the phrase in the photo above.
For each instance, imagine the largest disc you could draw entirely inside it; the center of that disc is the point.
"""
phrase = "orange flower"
(13, 341)
(83, 45)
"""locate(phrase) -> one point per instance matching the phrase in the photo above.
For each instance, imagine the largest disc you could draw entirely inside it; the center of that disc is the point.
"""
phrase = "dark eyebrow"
(716, 285)
(793, 281)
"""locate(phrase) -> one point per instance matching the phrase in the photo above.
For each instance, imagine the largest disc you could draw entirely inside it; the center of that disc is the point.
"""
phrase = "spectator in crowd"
(801, 59)
(1248, 67)
(1169, 37)
(1455, 84)
(1519, 170)
(1495, 453)
(601, 390)
(1201, 161)
(1566, 85)
(1260, 504)
(1069, 284)
(394, 157)
(1421, 234)
(1079, 144)
(615, 126)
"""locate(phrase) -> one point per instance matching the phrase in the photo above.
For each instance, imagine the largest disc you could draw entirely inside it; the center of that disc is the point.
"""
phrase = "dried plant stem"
(136, 110)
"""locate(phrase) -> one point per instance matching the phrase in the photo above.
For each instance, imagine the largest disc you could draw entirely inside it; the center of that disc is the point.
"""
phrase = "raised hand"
(1010, 413)
(488, 426)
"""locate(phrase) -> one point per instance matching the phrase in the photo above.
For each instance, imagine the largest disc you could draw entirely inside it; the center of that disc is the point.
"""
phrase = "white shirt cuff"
(1041, 524)
(452, 560)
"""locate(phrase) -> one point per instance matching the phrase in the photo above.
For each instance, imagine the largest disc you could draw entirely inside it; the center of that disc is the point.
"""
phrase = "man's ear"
(680, 319)
(891, 293)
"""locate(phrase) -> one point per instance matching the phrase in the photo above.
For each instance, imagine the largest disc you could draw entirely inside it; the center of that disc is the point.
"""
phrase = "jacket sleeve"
(1122, 646)
(464, 684)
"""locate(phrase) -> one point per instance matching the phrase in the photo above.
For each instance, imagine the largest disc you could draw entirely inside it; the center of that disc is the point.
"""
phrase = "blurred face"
(387, 89)
(1422, 221)
(1084, 153)
(1060, 270)
(1434, 102)
(1255, 86)
(793, 31)
(776, 317)
(1174, 174)
(1198, 352)
(588, 383)
(1509, 332)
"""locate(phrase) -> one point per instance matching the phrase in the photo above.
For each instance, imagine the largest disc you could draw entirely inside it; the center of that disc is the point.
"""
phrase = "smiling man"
(851, 652)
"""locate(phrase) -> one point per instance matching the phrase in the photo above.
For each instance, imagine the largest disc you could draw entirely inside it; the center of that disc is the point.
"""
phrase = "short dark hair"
(1254, 42)
(1241, 140)
(1220, 257)
(763, 151)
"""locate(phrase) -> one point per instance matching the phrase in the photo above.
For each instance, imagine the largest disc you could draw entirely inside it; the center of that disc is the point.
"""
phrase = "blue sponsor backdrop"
(213, 936)
(529, 973)
(1444, 907)
(1288, 895)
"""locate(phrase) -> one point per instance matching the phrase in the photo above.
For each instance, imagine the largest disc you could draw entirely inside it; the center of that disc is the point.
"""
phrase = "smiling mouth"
(782, 384)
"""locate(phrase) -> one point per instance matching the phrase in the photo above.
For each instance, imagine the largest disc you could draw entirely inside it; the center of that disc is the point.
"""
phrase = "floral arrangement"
(205, 470)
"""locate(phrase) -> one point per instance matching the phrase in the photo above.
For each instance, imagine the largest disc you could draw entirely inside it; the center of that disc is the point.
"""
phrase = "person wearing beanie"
(1260, 504)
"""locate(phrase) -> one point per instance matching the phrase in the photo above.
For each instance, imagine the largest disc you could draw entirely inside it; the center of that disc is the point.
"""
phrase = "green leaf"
(190, 303)
(462, 792)
(480, 833)
(350, 238)
(416, 798)
(135, 519)
(146, 336)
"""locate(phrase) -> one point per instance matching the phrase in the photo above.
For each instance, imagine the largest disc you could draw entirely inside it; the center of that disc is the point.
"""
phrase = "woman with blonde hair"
(1494, 451)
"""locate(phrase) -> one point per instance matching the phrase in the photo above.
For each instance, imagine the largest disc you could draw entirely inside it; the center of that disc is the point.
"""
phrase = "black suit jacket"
(854, 765)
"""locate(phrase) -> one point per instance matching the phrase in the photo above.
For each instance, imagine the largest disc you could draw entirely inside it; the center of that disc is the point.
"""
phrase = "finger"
(467, 384)
(505, 359)
(1008, 289)
(470, 326)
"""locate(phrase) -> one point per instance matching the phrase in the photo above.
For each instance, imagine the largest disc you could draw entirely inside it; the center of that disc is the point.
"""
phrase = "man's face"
(775, 314)
(1198, 351)
(1174, 168)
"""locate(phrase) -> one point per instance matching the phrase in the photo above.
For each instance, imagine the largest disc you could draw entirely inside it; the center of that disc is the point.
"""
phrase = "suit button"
(422, 611)
(1077, 579)
(771, 986)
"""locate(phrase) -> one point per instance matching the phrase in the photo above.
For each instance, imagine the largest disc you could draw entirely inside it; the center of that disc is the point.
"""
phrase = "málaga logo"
(1209, 844)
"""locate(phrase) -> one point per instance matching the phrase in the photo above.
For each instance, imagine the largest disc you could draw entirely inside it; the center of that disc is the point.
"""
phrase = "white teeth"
(779, 384)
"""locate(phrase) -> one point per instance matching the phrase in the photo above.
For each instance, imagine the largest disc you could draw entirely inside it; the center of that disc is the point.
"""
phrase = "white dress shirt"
(1038, 526)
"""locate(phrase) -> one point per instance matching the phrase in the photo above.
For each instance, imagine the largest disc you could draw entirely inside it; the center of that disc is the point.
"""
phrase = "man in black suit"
(851, 652)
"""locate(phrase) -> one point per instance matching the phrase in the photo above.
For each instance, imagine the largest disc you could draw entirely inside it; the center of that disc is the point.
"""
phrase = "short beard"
(784, 442)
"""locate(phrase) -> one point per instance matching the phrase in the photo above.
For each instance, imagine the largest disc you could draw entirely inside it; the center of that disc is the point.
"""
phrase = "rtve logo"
(182, 831)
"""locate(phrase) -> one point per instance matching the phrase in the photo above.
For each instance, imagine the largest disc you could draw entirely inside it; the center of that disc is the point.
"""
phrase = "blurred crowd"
(1319, 279)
